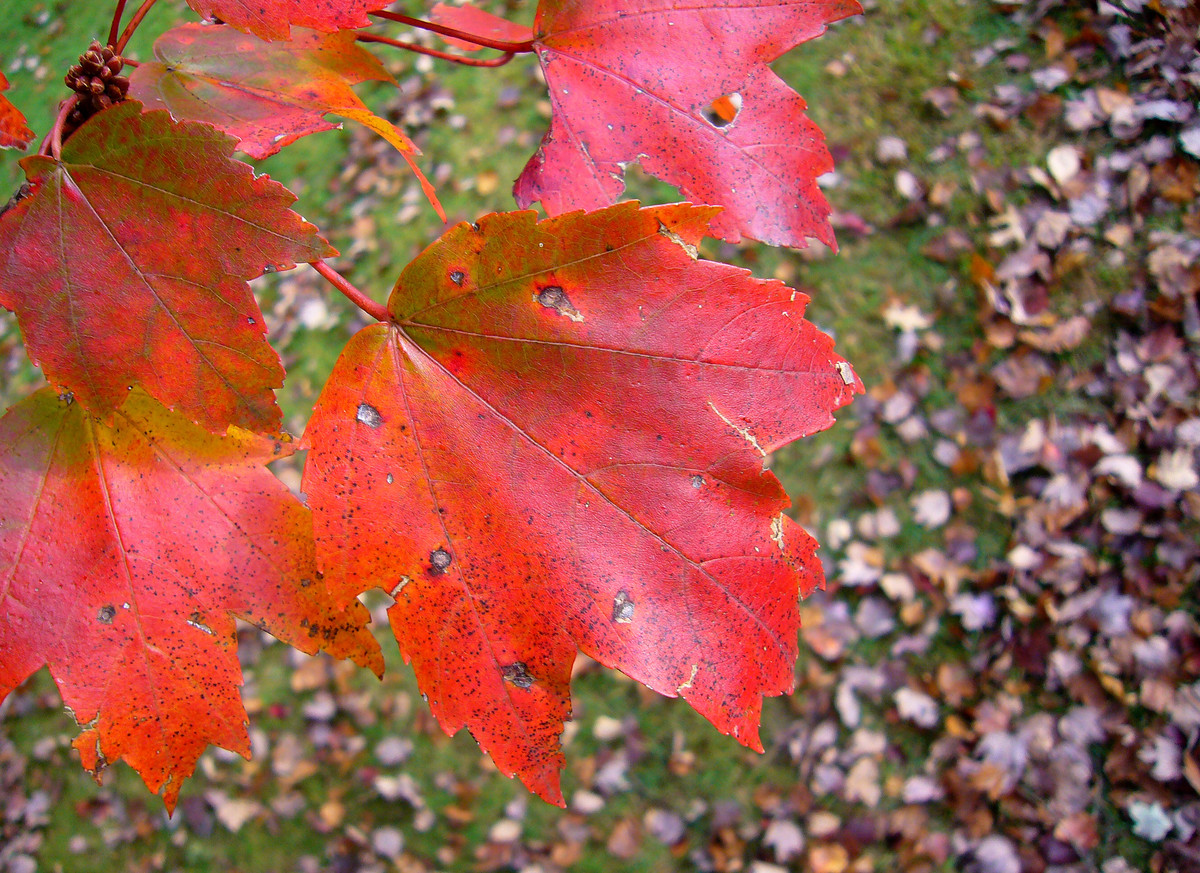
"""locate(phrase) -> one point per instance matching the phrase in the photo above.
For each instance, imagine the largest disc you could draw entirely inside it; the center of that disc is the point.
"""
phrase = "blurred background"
(1002, 675)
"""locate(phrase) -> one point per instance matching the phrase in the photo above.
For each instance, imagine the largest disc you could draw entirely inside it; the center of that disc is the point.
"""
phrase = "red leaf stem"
(127, 33)
(116, 22)
(486, 42)
(434, 53)
(376, 310)
(52, 144)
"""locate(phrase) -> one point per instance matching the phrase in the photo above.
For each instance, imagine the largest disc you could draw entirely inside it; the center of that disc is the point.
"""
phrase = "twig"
(376, 310)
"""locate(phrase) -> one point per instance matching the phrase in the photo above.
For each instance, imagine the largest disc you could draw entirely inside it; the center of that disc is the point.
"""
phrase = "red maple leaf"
(126, 550)
(14, 131)
(685, 89)
(267, 94)
(128, 261)
(273, 19)
(558, 443)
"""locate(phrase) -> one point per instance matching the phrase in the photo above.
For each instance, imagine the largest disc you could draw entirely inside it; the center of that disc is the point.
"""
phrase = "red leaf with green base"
(126, 551)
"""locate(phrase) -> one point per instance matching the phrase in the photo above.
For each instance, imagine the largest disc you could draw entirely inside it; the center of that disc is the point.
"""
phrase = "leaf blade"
(267, 94)
(153, 231)
(558, 445)
(636, 85)
(134, 621)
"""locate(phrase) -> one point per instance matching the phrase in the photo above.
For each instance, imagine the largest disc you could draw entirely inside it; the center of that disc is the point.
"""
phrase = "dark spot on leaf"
(439, 560)
(554, 297)
(67, 397)
(369, 415)
(622, 608)
(106, 614)
(458, 277)
(517, 674)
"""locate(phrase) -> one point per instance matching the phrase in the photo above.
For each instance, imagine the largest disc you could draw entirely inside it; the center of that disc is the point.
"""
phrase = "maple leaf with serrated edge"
(126, 550)
(558, 443)
(275, 18)
(14, 131)
(267, 94)
(686, 90)
(128, 263)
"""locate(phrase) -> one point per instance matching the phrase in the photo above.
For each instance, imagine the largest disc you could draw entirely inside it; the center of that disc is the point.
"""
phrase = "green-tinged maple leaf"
(273, 19)
(14, 131)
(267, 94)
(558, 444)
(685, 89)
(128, 260)
(126, 550)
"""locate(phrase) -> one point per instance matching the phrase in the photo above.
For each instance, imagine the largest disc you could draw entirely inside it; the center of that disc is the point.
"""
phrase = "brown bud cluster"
(98, 81)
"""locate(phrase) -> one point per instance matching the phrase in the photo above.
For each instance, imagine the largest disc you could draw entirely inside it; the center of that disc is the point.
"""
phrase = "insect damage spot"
(106, 614)
(692, 251)
(194, 621)
(723, 111)
(554, 297)
(369, 415)
(458, 277)
(846, 372)
(622, 608)
(518, 674)
(439, 560)
(697, 481)
(741, 431)
(684, 686)
(777, 531)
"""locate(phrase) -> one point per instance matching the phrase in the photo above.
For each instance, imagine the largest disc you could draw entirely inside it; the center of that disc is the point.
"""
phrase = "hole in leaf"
(697, 481)
(106, 614)
(517, 674)
(723, 111)
(369, 415)
(622, 608)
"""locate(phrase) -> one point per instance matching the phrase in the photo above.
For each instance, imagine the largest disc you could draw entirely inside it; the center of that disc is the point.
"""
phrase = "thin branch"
(376, 310)
(434, 53)
(484, 41)
(133, 25)
(116, 22)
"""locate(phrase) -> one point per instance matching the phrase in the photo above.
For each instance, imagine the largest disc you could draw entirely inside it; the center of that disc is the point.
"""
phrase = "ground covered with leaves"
(1004, 673)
